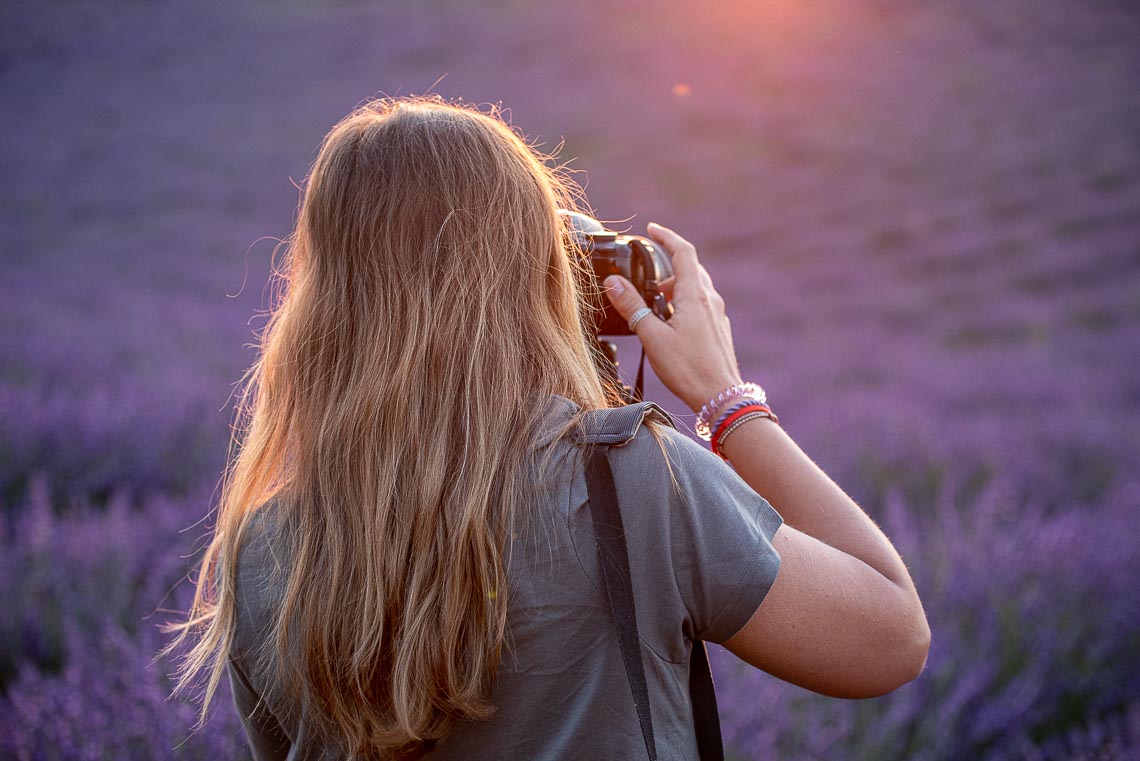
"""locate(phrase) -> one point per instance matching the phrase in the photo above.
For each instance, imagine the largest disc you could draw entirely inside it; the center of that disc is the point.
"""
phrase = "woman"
(403, 563)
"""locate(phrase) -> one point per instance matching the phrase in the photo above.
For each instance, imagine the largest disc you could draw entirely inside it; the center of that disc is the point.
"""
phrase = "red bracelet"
(720, 429)
(727, 424)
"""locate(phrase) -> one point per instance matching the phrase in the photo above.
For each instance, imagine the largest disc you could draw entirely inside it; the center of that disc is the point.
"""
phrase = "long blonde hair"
(427, 304)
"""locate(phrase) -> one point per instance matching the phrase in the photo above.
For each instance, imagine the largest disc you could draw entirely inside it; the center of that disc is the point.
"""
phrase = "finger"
(706, 278)
(627, 301)
(683, 253)
(691, 276)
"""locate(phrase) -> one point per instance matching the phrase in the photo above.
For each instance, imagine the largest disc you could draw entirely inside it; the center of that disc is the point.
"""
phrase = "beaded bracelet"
(731, 394)
(728, 421)
(717, 447)
(742, 403)
(738, 418)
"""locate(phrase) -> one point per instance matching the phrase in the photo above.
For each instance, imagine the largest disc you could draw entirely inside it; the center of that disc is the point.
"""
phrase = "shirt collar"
(558, 410)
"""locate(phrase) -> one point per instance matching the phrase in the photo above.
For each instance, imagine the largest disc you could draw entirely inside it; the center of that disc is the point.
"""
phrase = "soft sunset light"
(921, 218)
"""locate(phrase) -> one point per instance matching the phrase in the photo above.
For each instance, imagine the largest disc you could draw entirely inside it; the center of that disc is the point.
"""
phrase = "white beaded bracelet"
(711, 410)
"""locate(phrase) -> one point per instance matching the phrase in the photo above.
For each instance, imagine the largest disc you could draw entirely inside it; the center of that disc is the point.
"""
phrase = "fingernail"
(655, 225)
(614, 284)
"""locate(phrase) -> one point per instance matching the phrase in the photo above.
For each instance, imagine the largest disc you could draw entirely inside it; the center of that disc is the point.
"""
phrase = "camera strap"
(639, 386)
(618, 428)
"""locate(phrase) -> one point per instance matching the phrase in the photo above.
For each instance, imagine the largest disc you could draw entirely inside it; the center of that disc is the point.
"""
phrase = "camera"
(639, 260)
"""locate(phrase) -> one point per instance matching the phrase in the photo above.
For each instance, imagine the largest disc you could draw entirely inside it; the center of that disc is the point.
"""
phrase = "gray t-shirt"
(701, 562)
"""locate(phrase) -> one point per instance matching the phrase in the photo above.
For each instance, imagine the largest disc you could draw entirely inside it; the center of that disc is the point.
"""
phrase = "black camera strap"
(605, 360)
(614, 560)
(639, 386)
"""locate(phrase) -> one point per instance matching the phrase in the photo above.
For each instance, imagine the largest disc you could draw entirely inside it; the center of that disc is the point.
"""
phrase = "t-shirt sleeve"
(267, 740)
(716, 532)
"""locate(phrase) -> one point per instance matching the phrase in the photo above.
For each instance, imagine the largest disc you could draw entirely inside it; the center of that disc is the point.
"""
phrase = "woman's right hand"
(843, 617)
(692, 353)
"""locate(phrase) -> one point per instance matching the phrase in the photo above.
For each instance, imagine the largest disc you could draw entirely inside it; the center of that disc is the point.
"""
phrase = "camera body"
(639, 260)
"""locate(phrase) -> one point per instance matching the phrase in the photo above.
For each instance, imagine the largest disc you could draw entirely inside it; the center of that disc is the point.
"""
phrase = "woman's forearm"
(769, 461)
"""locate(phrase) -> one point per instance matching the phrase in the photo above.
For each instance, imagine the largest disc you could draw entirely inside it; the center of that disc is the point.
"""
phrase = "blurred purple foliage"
(85, 591)
(1035, 629)
(924, 219)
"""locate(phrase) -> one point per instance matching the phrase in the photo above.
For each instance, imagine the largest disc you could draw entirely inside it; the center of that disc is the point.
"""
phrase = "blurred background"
(924, 219)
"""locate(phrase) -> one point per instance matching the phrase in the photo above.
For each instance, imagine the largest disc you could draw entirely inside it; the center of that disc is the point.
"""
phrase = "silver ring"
(638, 316)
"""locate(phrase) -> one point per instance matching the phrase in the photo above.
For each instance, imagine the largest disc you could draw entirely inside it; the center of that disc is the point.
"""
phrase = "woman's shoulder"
(658, 444)
(261, 550)
(697, 532)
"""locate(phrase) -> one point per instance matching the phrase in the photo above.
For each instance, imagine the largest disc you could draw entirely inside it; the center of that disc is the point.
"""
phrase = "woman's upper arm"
(832, 624)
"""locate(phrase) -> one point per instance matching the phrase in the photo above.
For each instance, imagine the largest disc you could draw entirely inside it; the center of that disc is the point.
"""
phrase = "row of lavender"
(924, 221)
(1019, 530)
(1027, 581)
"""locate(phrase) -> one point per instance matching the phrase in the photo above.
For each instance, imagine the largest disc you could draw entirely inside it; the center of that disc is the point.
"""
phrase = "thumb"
(623, 295)
(627, 301)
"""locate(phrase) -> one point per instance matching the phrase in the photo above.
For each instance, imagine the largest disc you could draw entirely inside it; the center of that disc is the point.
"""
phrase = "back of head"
(428, 305)
(433, 229)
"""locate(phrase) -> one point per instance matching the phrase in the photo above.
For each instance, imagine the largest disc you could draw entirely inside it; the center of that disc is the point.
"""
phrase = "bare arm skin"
(843, 617)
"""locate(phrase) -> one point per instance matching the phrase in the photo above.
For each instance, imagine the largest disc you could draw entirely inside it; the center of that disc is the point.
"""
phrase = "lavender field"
(924, 219)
